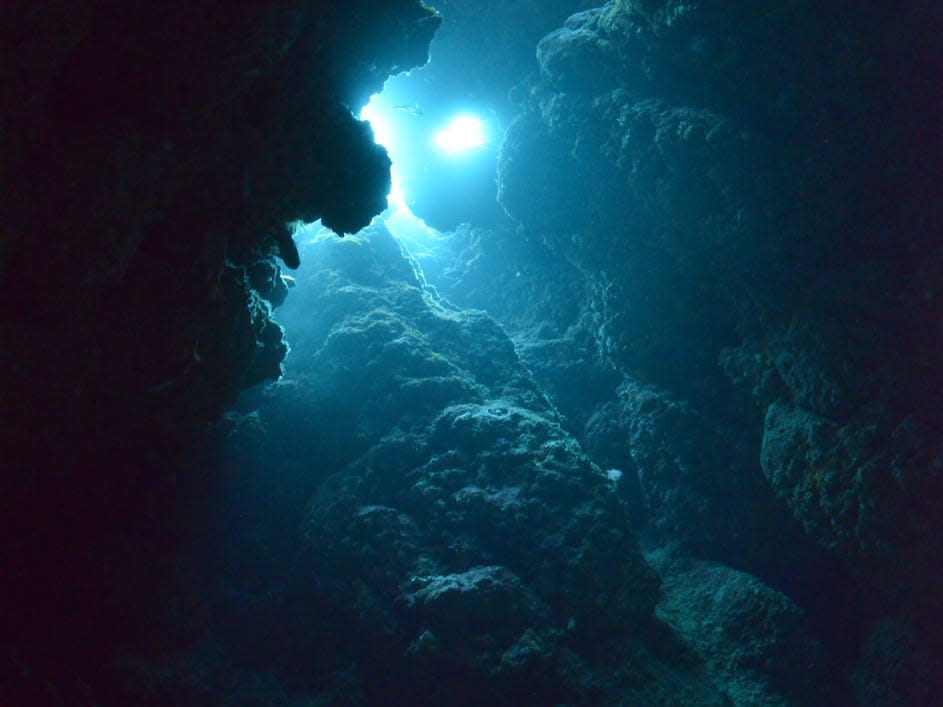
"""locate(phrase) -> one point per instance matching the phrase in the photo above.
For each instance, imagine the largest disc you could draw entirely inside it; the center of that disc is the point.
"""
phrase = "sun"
(465, 132)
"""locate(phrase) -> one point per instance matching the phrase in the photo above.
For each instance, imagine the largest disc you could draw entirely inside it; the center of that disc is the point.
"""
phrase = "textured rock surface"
(469, 482)
(458, 545)
(152, 153)
(725, 195)
(863, 495)
(754, 639)
(716, 328)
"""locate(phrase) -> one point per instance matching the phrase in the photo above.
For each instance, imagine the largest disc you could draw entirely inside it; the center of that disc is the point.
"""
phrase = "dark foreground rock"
(153, 155)
(755, 641)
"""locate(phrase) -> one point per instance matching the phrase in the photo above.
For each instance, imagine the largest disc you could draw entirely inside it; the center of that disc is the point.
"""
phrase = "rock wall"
(153, 155)
(747, 189)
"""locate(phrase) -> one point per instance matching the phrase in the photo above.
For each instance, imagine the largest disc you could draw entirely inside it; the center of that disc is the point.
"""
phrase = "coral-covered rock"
(481, 600)
(722, 194)
(755, 642)
(469, 497)
(859, 491)
(151, 151)
(703, 491)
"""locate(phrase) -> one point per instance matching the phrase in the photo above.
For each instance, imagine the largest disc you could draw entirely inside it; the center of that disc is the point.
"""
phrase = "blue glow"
(444, 158)
(464, 133)
(399, 218)
(383, 134)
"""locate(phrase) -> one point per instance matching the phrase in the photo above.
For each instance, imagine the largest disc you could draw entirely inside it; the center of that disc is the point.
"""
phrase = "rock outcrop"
(153, 156)
(727, 195)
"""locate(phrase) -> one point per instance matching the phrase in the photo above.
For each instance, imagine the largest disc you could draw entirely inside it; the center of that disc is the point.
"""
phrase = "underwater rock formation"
(454, 528)
(469, 483)
(153, 154)
(756, 641)
(728, 193)
(690, 455)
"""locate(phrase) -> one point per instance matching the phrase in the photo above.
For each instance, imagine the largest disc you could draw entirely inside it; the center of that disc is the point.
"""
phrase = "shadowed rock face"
(734, 158)
(457, 545)
(152, 155)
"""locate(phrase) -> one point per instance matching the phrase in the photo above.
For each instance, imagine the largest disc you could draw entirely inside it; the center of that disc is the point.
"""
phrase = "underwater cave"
(516, 353)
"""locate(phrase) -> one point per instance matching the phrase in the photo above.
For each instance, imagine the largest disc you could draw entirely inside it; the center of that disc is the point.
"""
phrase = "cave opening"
(619, 387)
